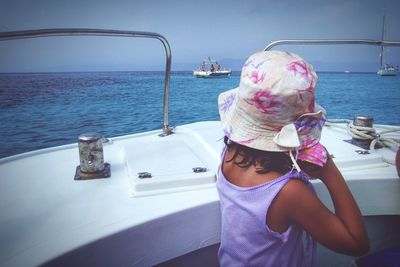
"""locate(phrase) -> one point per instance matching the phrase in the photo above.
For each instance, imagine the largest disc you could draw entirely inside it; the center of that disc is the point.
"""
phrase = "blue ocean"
(40, 110)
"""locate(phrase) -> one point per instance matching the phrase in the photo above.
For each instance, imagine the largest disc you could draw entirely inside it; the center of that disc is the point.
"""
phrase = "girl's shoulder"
(298, 187)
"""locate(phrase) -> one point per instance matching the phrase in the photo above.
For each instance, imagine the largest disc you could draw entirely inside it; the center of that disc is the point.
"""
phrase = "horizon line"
(160, 71)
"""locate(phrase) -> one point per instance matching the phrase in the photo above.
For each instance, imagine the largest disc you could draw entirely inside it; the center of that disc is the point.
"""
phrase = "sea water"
(39, 110)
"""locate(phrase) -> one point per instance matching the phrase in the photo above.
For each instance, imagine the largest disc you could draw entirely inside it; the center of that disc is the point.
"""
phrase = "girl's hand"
(313, 160)
(314, 171)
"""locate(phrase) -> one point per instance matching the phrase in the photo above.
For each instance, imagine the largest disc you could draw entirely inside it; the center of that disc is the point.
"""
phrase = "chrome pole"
(331, 42)
(12, 35)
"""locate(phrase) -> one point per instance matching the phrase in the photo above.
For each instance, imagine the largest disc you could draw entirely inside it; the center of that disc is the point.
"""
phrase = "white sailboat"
(385, 69)
(156, 202)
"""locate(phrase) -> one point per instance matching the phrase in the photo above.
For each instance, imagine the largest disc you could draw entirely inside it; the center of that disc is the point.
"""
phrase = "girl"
(272, 128)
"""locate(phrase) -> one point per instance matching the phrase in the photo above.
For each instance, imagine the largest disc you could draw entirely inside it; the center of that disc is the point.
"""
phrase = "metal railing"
(331, 42)
(12, 35)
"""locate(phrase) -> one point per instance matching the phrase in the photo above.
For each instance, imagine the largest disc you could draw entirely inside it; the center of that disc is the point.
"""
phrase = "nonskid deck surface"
(48, 216)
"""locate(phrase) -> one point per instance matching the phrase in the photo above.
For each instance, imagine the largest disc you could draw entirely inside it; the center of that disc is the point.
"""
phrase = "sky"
(226, 30)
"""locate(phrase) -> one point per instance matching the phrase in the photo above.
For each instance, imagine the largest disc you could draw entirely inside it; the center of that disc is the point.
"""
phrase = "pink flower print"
(320, 149)
(227, 103)
(316, 155)
(307, 142)
(266, 102)
(254, 73)
(298, 67)
(256, 76)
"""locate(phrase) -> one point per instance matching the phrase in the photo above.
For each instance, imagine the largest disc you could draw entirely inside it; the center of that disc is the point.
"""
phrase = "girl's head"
(273, 109)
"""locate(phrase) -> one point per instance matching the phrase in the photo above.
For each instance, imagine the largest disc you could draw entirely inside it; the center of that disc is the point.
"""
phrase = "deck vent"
(91, 158)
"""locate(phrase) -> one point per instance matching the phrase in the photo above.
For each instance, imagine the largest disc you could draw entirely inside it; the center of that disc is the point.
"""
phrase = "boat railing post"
(166, 129)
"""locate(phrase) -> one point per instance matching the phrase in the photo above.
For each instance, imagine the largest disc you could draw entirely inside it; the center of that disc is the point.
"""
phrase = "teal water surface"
(50, 109)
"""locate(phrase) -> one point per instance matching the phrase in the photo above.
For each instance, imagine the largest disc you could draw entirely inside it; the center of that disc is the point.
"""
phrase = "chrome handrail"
(12, 35)
(331, 42)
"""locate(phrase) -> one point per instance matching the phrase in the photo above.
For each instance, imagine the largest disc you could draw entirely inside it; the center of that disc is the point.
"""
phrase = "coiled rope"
(369, 133)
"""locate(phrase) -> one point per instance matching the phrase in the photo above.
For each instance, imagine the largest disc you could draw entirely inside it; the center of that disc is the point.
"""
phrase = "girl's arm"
(342, 231)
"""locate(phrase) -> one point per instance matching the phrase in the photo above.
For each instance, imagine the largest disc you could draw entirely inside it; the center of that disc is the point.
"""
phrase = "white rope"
(361, 132)
(294, 160)
(369, 133)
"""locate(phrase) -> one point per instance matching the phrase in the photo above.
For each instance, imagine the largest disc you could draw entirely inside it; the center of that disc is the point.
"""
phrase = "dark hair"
(269, 161)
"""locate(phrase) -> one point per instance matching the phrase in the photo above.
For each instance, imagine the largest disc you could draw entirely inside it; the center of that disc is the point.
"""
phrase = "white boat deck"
(48, 217)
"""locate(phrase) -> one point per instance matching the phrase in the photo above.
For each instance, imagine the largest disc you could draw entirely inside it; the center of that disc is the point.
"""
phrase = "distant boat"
(385, 69)
(210, 69)
(346, 71)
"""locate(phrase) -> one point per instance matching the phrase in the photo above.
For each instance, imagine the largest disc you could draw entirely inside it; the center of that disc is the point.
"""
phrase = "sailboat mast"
(383, 38)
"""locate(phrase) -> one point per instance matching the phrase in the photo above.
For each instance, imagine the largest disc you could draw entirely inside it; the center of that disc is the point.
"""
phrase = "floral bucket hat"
(273, 109)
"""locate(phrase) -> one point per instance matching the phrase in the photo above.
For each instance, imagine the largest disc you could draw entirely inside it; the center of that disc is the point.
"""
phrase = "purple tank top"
(246, 239)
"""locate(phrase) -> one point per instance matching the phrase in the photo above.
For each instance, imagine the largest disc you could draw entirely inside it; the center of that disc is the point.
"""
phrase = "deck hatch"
(184, 164)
